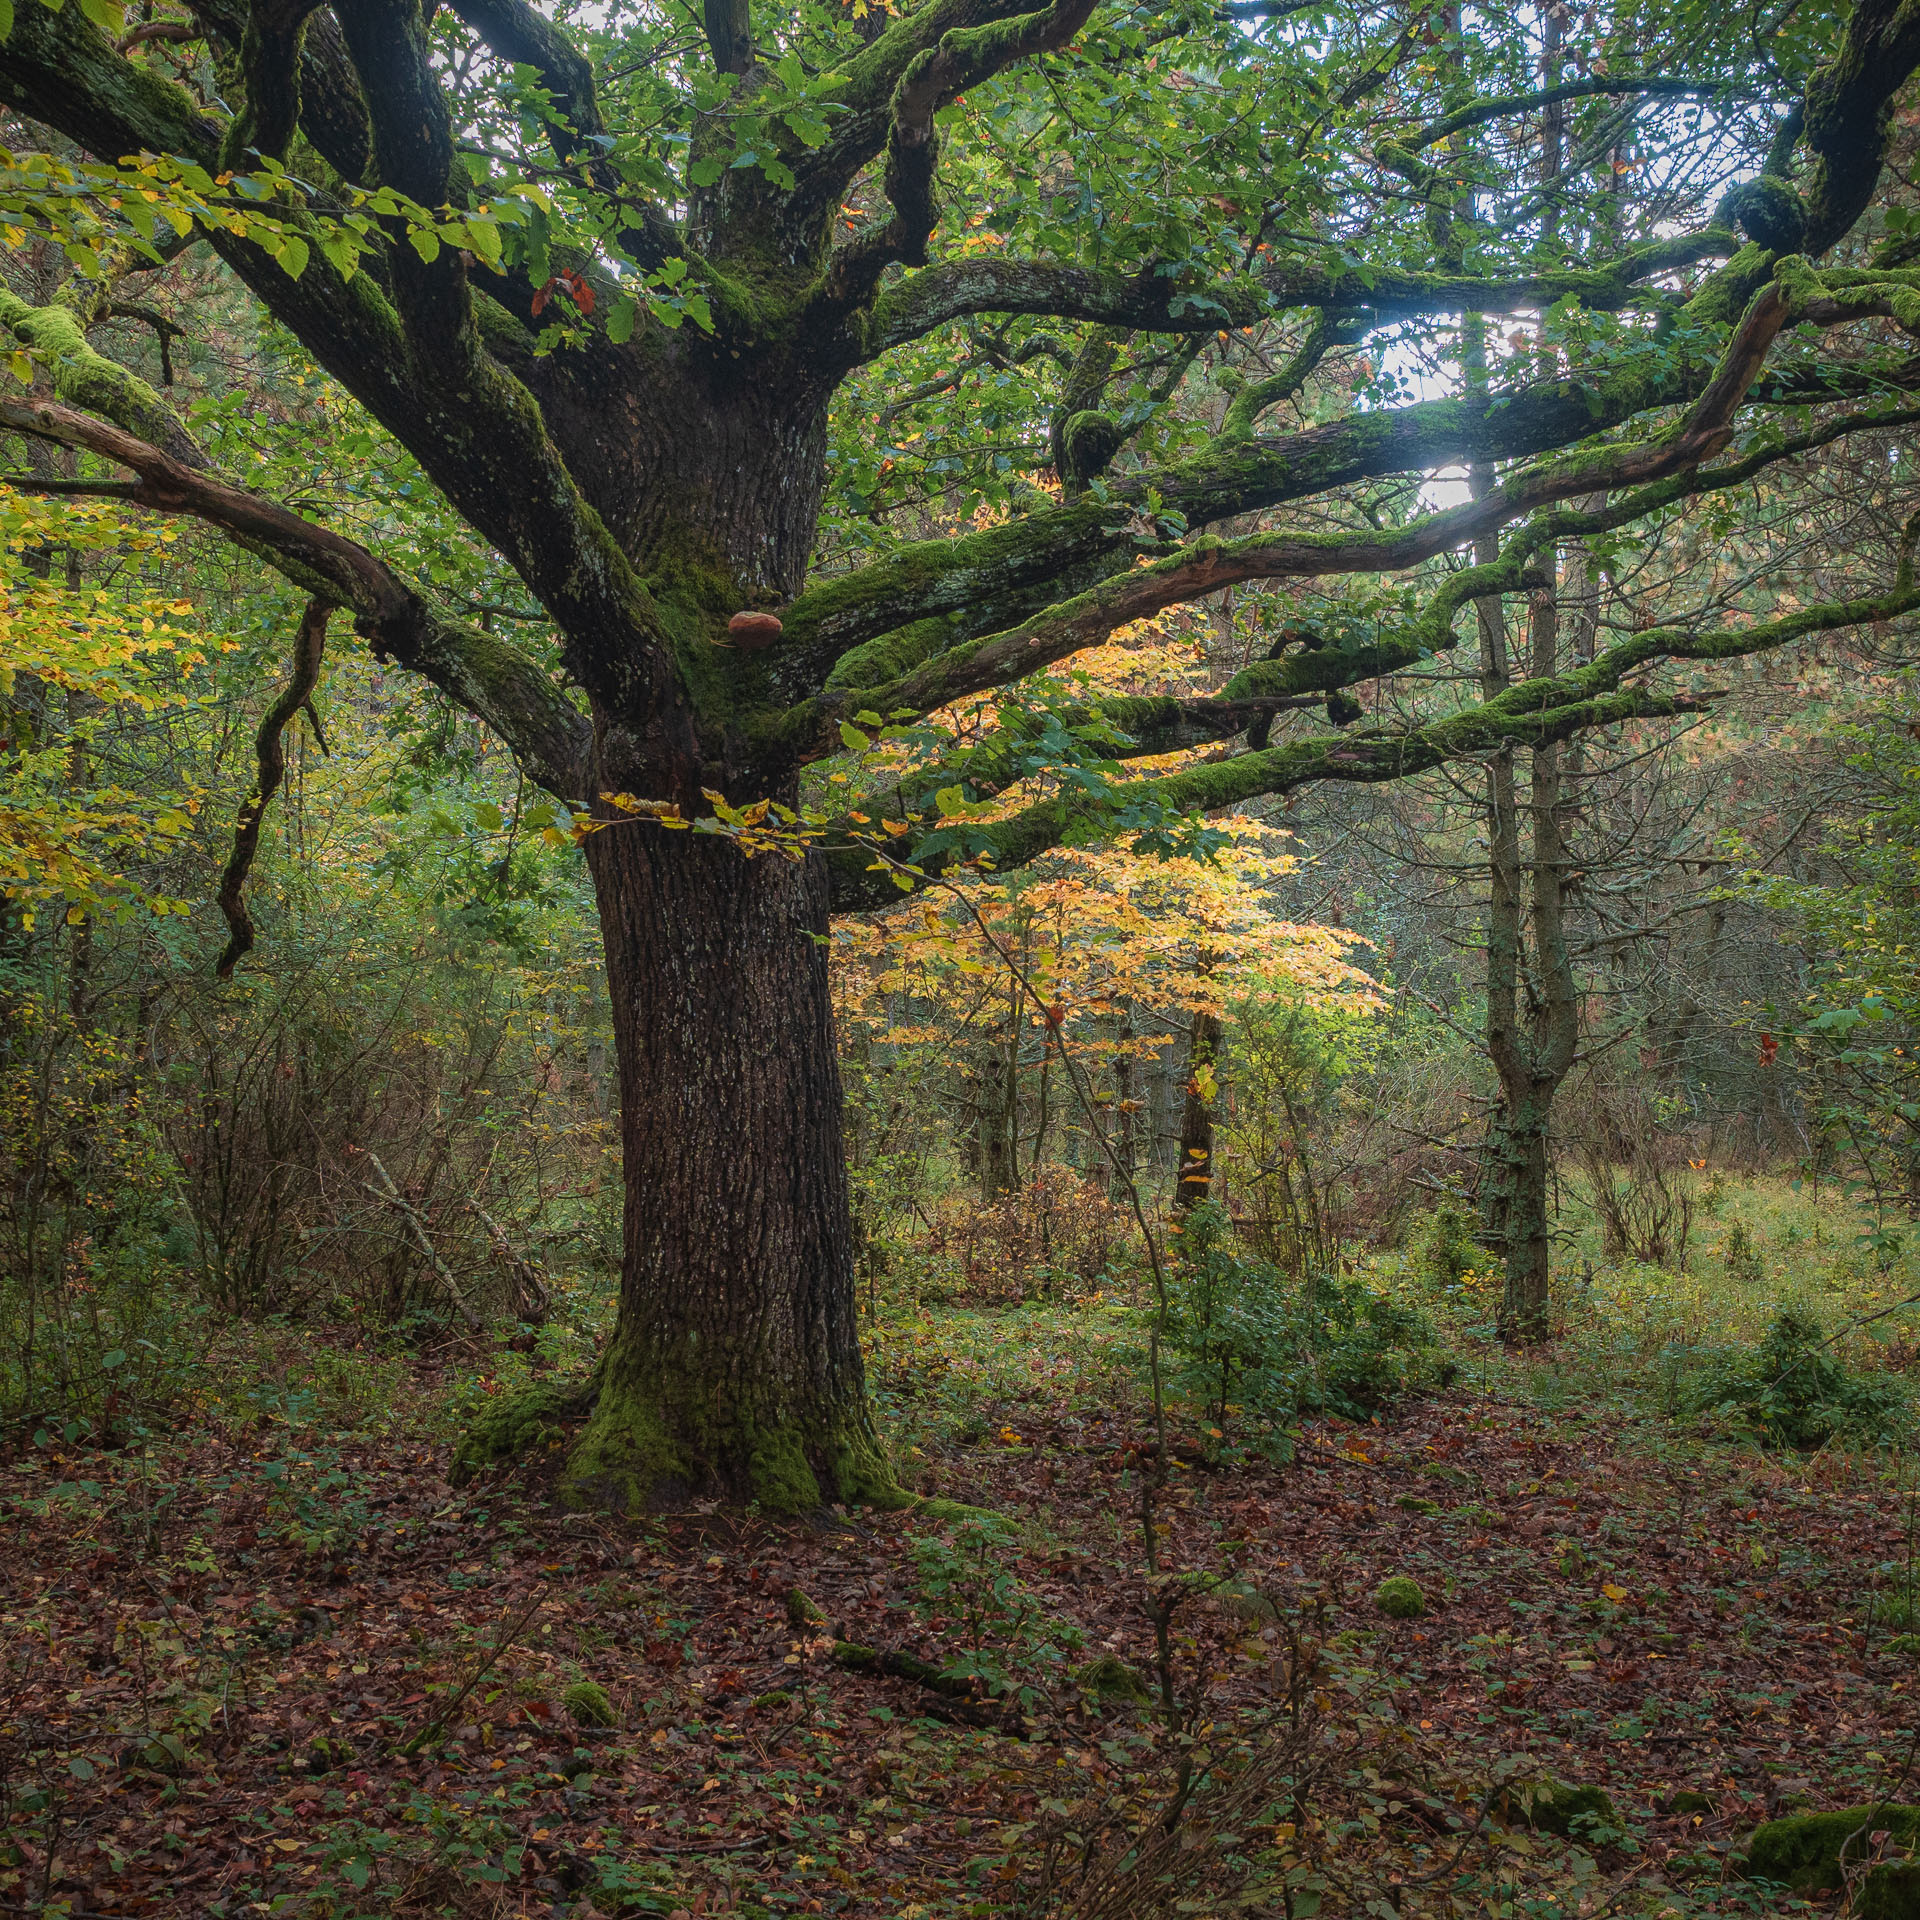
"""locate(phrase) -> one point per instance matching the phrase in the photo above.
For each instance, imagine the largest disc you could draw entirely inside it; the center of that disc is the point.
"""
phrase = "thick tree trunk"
(735, 1367)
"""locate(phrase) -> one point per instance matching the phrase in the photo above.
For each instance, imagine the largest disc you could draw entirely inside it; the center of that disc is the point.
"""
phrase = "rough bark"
(735, 1368)
(1193, 1182)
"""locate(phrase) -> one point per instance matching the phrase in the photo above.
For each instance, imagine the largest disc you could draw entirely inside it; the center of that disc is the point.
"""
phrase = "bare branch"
(308, 649)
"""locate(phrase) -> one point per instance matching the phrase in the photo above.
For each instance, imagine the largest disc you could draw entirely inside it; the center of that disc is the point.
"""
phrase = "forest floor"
(279, 1666)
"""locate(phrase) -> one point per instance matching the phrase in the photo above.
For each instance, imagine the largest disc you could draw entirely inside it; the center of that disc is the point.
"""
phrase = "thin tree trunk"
(1194, 1179)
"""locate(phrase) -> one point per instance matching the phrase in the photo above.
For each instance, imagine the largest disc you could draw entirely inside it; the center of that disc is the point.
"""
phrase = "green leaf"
(950, 800)
(483, 236)
(426, 243)
(853, 737)
(703, 173)
(293, 255)
(6, 18)
(343, 255)
(620, 318)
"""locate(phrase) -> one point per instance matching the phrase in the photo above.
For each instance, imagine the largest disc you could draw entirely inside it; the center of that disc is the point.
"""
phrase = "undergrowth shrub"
(1440, 1248)
(1742, 1258)
(1637, 1179)
(1054, 1237)
(1242, 1335)
(98, 1328)
(1793, 1390)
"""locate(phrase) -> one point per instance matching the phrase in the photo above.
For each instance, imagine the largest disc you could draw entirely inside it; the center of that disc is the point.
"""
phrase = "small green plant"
(1441, 1246)
(1400, 1598)
(1742, 1258)
(1793, 1390)
(1241, 1334)
(1003, 1626)
(317, 1503)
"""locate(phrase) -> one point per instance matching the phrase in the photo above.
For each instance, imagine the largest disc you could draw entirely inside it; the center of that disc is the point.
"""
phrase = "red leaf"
(541, 298)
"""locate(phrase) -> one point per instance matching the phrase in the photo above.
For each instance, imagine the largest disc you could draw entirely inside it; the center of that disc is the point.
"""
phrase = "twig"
(446, 1713)
(419, 1226)
(1150, 1483)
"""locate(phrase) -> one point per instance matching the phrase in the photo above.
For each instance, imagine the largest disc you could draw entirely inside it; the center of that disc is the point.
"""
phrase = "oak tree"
(640, 287)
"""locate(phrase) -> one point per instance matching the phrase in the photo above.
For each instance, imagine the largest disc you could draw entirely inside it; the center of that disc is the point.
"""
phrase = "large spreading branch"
(415, 362)
(504, 687)
(1156, 300)
(1531, 713)
(1302, 670)
(934, 596)
(1848, 108)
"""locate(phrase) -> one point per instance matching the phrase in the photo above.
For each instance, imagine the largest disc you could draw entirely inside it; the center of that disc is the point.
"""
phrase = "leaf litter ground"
(250, 1673)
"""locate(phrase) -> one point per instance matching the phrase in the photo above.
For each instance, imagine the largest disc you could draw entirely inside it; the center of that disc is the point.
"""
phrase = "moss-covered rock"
(1413, 1503)
(1113, 1683)
(1803, 1853)
(1400, 1598)
(1904, 1643)
(1688, 1801)
(1890, 1892)
(1245, 1603)
(587, 1702)
(517, 1426)
(1555, 1806)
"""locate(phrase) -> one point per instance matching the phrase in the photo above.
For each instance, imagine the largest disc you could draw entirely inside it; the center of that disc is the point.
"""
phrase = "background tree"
(607, 282)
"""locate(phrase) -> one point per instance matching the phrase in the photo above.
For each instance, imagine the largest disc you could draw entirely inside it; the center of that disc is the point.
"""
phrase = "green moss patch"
(1113, 1683)
(587, 1702)
(1804, 1853)
(1400, 1598)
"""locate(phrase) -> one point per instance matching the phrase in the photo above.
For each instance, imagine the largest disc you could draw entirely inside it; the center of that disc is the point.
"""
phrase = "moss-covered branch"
(1158, 302)
(511, 692)
(90, 381)
(980, 36)
(1847, 115)
(1531, 713)
(1208, 564)
(1506, 106)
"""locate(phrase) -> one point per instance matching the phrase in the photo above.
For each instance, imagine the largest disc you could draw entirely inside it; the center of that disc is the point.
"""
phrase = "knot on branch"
(1769, 211)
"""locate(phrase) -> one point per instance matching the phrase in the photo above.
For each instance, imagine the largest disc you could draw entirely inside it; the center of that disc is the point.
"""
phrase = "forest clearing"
(959, 958)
